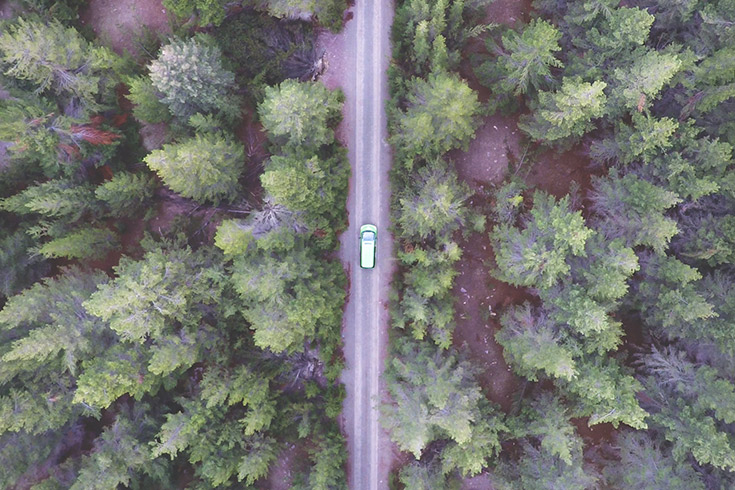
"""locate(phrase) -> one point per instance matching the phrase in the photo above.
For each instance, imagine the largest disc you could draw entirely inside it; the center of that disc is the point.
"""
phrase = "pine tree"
(640, 461)
(441, 115)
(204, 168)
(567, 113)
(87, 242)
(308, 185)
(159, 293)
(631, 208)
(433, 204)
(524, 61)
(192, 79)
(646, 77)
(301, 114)
(690, 405)
(538, 254)
(57, 58)
(435, 397)
(148, 106)
(126, 193)
(289, 298)
(532, 344)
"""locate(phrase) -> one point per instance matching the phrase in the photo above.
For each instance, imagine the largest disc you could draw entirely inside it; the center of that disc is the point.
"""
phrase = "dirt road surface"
(366, 315)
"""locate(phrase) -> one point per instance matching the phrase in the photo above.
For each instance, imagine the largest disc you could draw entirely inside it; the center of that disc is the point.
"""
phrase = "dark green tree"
(289, 299)
(640, 461)
(524, 61)
(631, 208)
(537, 254)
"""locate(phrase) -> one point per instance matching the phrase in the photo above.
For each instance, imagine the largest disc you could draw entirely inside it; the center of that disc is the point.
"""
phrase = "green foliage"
(537, 255)
(19, 267)
(57, 58)
(59, 198)
(264, 50)
(126, 193)
(300, 114)
(233, 238)
(328, 12)
(308, 184)
(87, 242)
(432, 33)
(157, 294)
(287, 299)
(120, 454)
(631, 208)
(532, 343)
(148, 106)
(329, 459)
(192, 79)
(606, 392)
(644, 79)
(20, 452)
(668, 298)
(206, 11)
(672, 155)
(546, 419)
(523, 63)
(204, 168)
(567, 113)
(432, 205)
(441, 114)
(643, 463)
(422, 476)
(436, 397)
(427, 302)
(539, 469)
(691, 404)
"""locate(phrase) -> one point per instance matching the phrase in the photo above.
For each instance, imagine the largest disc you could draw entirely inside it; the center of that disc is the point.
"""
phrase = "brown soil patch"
(9, 9)
(554, 172)
(488, 158)
(509, 12)
(121, 23)
(479, 297)
(292, 459)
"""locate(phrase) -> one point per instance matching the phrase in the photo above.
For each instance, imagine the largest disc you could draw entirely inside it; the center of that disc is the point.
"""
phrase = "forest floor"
(124, 25)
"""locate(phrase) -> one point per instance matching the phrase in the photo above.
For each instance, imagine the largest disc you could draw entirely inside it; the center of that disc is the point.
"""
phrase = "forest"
(623, 315)
(162, 328)
(170, 311)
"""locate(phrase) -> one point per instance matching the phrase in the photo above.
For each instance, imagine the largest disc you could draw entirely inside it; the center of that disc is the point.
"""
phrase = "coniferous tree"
(537, 254)
(640, 461)
(204, 168)
(631, 208)
(301, 114)
(192, 79)
(433, 204)
(567, 113)
(59, 59)
(524, 61)
(441, 114)
(436, 397)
